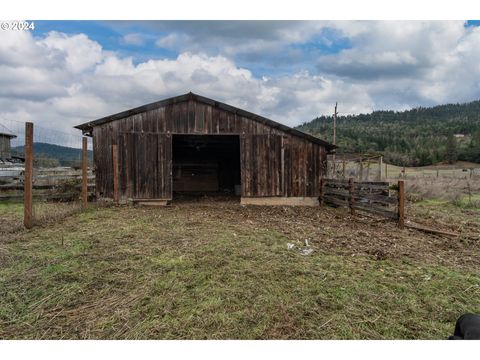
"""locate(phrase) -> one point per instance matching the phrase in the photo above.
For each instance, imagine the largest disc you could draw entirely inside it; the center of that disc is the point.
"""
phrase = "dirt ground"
(335, 231)
(331, 230)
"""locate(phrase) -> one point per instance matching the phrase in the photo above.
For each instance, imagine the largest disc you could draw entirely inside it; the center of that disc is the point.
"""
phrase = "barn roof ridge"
(86, 127)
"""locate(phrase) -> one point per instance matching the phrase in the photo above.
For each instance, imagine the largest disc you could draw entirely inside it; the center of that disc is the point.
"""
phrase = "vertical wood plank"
(28, 181)
(351, 201)
(282, 167)
(321, 186)
(380, 168)
(84, 172)
(401, 204)
(168, 173)
(115, 172)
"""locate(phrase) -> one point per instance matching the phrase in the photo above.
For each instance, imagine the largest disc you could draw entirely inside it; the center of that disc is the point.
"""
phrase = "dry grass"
(44, 213)
(460, 192)
(221, 271)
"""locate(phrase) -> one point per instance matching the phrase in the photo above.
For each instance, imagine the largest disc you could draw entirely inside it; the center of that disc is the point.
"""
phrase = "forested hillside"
(54, 155)
(416, 137)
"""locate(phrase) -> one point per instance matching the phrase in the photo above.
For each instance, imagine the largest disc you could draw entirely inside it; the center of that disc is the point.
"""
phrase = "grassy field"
(217, 270)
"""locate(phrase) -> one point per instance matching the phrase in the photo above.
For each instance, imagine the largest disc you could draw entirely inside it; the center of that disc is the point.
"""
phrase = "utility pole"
(335, 125)
(334, 140)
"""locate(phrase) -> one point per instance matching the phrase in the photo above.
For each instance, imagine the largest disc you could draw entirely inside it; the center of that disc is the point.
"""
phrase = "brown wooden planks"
(28, 182)
(372, 197)
(273, 162)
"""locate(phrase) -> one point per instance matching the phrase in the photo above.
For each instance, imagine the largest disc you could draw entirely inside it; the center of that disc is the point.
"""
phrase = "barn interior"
(206, 165)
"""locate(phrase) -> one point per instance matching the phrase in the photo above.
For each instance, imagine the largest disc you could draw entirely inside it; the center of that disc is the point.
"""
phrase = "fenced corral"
(359, 167)
(377, 197)
(33, 177)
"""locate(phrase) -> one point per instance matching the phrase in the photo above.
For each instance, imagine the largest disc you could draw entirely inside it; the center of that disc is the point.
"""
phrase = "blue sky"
(110, 34)
(69, 72)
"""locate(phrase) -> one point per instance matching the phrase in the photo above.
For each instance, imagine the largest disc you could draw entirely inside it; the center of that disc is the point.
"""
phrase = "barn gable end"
(275, 160)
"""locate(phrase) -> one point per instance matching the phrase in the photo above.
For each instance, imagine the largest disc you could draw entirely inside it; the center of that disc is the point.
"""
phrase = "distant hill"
(417, 137)
(54, 155)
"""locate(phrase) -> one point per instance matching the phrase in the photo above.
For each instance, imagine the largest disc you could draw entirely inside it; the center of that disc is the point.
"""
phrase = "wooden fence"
(47, 184)
(377, 197)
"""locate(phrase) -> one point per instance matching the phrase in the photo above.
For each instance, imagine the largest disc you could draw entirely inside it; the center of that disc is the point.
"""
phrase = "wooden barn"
(5, 147)
(192, 144)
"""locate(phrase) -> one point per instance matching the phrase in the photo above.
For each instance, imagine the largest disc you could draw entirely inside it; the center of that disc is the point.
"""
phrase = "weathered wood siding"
(5, 150)
(273, 162)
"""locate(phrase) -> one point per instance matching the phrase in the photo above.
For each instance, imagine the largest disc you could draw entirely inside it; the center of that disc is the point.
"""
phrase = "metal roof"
(5, 132)
(88, 126)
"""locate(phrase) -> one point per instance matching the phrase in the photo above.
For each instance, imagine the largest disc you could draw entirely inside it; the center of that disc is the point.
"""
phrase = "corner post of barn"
(351, 199)
(28, 174)
(401, 204)
(84, 173)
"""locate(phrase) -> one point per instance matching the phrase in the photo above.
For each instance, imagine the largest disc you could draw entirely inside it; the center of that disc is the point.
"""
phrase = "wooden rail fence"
(370, 196)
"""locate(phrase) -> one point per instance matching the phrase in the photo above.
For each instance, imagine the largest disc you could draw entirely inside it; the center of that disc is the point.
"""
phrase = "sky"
(64, 73)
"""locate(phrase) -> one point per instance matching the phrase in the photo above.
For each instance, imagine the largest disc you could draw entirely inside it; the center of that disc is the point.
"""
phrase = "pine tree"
(451, 152)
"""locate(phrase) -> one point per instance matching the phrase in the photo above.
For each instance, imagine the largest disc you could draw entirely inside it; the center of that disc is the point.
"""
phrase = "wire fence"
(457, 183)
(56, 172)
(372, 168)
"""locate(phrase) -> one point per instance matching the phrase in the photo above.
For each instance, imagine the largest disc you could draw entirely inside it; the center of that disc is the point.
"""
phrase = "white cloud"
(174, 41)
(409, 62)
(61, 80)
(133, 39)
(78, 51)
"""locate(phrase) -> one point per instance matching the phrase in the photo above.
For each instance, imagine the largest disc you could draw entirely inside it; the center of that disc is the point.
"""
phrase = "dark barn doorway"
(206, 165)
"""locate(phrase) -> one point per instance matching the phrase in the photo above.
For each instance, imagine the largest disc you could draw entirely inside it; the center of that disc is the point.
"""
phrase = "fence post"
(401, 204)
(351, 188)
(115, 172)
(380, 168)
(28, 174)
(320, 198)
(84, 173)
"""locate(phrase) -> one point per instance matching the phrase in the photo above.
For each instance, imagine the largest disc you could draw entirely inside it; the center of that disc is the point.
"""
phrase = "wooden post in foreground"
(401, 204)
(84, 173)
(352, 195)
(115, 172)
(28, 181)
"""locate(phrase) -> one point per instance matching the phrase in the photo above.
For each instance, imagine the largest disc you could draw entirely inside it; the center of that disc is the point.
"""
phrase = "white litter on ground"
(306, 251)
